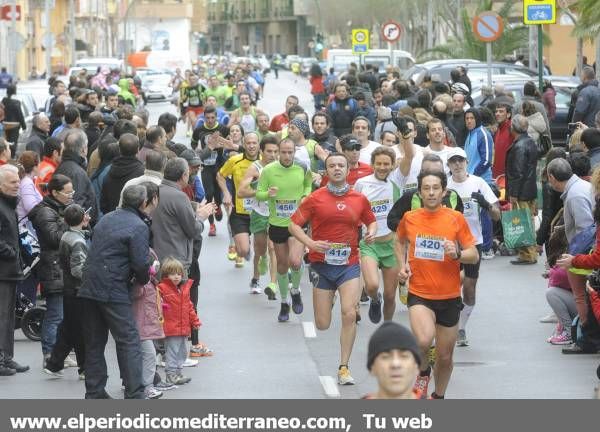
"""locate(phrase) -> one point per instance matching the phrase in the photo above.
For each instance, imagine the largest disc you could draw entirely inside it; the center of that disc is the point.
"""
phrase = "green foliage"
(588, 23)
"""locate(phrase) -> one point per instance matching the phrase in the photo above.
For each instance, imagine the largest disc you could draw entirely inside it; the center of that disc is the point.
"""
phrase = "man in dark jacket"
(588, 98)
(10, 270)
(521, 187)
(123, 169)
(73, 166)
(120, 252)
(93, 131)
(39, 134)
(342, 110)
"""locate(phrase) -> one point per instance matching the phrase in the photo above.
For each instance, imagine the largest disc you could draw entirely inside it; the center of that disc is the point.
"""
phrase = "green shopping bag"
(518, 229)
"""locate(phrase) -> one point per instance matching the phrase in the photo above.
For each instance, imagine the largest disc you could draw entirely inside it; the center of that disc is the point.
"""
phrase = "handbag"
(517, 227)
(544, 145)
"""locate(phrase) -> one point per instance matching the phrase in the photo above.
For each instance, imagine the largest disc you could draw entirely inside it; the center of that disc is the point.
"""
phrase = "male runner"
(382, 191)
(334, 212)
(436, 240)
(475, 194)
(259, 216)
(436, 134)
(284, 184)
(239, 219)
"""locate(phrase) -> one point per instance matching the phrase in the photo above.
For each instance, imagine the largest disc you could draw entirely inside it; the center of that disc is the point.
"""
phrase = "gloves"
(478, 196)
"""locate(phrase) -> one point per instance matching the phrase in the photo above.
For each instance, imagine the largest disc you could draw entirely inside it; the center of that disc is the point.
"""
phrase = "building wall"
(562, 54)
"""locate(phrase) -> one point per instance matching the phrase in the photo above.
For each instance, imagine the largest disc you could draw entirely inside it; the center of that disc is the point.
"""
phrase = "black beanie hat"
(390, 336)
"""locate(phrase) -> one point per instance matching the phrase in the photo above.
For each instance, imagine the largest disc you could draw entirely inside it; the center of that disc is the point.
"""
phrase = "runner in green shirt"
(284, 184)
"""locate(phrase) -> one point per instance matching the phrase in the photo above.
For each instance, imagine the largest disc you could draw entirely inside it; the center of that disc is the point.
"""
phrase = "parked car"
(306, 63)
(91, 65)
(156, 86)
(564, 89)
(29, 109)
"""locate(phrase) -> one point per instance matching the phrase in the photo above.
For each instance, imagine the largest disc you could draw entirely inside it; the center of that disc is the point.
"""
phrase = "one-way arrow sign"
(6, 13)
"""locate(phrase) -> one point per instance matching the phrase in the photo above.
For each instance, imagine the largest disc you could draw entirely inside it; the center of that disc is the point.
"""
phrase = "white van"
(339, 59)
(92, 64)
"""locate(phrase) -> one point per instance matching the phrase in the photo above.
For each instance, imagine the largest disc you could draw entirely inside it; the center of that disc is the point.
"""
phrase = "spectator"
(109, 151)
(549, 99)
(153, 173)
(29, 195)
(456, 121)
(4, 151)
(122, 243)
(123, 168)
(342, 110)
(13, 113)
(53, 149)
(56, 116)
(156, 139)
(502, 139)
(6, 79)
(47, 220)
(365, 110)
(93, 130)
(10, 270)
(591, 140)
(537, 126)
(72, 121)
(588, 98)
(521, 187)
(121, 126)
(532, 94)
(39, 134)
(479, 146)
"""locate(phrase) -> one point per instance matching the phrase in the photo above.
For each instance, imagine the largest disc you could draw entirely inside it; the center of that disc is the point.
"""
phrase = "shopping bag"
(518, 229)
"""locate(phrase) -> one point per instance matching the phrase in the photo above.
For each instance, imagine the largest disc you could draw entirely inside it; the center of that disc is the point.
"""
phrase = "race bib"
(337, 254)
(212, 160)
(285, 208)
(194, 101)
(410, 187)
(381, 208)
(249, 204)
(470, 207)
(429, 247)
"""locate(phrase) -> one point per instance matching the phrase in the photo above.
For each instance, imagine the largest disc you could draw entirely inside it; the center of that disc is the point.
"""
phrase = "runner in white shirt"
(361, 130)
(382, 192)
(409, 157)
(475, 194)
(436, 135)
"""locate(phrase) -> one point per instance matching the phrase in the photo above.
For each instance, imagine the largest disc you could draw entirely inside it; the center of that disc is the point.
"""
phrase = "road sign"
(488, 26)
(360, 41)
(391, 31)
(6, 12)
(539, 11)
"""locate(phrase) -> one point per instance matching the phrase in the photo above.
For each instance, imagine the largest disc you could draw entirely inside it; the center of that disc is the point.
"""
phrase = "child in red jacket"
(180, 317)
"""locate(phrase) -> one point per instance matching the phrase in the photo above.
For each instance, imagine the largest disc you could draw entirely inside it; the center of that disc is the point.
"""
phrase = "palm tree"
(587, 26)
(513, 38)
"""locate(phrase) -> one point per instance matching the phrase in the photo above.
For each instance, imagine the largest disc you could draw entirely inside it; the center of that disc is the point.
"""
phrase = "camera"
(401, 124)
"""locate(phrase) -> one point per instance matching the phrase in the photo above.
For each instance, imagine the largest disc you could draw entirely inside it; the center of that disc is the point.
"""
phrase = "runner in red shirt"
(350, 147)
(281, 120)
(334, 212)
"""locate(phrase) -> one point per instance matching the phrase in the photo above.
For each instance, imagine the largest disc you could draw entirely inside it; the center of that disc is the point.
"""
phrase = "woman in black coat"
(13, 113)
(47, 220)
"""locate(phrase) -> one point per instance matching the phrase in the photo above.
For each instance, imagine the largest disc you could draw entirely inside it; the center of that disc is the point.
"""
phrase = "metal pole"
(540, 55)
(48, 41)
(488, 49)
(531, 46)
(459, 18)
(13, 40)
(72, 30)
(429, 24)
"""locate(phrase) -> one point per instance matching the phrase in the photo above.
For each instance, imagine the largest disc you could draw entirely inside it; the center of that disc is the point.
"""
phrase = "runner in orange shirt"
(436, 241)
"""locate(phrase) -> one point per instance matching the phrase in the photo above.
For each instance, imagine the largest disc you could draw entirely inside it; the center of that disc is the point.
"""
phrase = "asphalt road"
(257, 357)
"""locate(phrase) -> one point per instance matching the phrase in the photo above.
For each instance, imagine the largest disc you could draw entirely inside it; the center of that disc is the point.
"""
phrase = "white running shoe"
(190, 362)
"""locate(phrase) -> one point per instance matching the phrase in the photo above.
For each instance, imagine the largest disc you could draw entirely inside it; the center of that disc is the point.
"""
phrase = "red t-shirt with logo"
(334, 219)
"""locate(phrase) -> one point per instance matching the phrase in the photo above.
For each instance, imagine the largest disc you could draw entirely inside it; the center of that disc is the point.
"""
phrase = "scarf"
(338, 191)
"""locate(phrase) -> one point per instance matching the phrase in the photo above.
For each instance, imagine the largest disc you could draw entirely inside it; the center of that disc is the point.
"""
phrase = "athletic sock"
(464, 316)
(282, 282)
(296, 276)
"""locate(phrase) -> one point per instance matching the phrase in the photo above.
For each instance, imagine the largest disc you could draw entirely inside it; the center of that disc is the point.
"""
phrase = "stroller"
(29, 317)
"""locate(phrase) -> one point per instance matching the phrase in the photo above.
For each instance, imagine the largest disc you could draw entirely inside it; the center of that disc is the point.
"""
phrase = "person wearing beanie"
(393, 359)
(308, 151)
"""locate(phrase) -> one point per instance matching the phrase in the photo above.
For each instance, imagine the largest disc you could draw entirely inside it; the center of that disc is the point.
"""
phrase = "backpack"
(544, 145)
(584, 241)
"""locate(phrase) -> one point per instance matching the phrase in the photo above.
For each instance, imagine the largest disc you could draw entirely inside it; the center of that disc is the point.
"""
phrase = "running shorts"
(196, 109)
(239, 223)
(258, 223)
(330, 277)
(382, 252)
(279, 235)
(447, 312)
(472, 270)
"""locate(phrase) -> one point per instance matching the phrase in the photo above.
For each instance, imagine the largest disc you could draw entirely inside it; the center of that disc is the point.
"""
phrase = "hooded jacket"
(10, 254)
(73, 166)
(180, 316)
(479, 147)
(122, 169)
(537, 126)
(36, 141)
(125, 93)
(588, 103)
(521, 164)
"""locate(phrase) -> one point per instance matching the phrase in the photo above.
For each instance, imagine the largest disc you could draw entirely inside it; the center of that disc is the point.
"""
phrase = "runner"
(475, 194)
(246, 114)
(259, 216)
(351, 149)
(239, 218)
(334, 213)
(193, 95)
(436, 134)
(382, 191)
(284, 184)
(436, 241)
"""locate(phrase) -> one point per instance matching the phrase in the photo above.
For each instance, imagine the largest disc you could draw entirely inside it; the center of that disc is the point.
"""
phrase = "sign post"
(488, 27)
(391, 31)
(539, 12)
(360, 42)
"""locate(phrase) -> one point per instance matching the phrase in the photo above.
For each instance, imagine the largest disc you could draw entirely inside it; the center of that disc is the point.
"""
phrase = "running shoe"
(239, 262)
(254, 288)
(231, 253)
(284, 313)
(297, 305)
(176, 379)
(183, 379)
(557, 330)
(82, 376)
(212, 231)
(550, 318)
(69, 362)
(164, 386)
(421, 385)
(344, 377)
(200, 350)
(563, 338)
(57, 374)
(461, 340)
(190, 362)
(270, 291)
(152, 393)
(218, 214)
(375, 309)
(263, 265)
(431, 355)
(488, 255)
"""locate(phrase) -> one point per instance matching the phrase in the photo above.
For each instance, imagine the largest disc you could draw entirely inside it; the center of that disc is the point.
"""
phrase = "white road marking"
(309, 329)
(329, 386)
